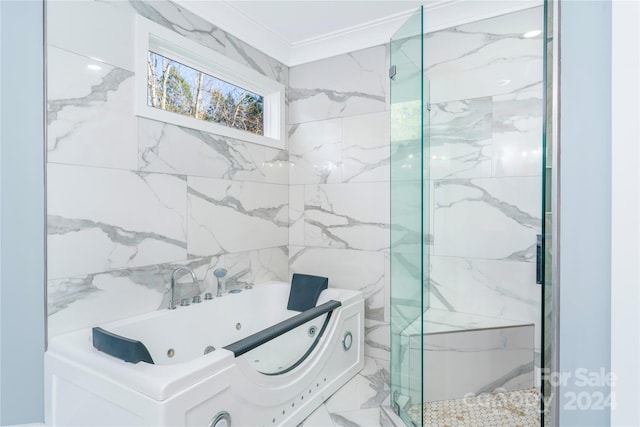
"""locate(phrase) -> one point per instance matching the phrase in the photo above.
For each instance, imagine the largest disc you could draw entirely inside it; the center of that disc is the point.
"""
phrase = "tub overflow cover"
(222, 419)
(347, 341)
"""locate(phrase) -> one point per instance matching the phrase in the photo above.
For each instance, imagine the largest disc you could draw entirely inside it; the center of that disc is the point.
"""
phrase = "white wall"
(585, 208)
(625, 212)
(22, 275)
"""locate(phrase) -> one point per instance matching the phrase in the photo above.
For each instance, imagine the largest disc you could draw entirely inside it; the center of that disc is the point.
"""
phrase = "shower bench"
(465, 354)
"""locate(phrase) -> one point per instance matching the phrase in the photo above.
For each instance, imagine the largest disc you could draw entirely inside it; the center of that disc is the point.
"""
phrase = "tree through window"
(177, 88)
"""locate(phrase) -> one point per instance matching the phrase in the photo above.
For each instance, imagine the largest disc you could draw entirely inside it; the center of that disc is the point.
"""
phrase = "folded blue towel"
(305, 290)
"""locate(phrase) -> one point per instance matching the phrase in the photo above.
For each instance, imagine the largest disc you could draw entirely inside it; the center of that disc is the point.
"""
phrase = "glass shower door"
(408, 296)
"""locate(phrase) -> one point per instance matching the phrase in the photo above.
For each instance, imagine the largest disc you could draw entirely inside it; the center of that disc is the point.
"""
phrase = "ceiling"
(296, 32)
(300, 31)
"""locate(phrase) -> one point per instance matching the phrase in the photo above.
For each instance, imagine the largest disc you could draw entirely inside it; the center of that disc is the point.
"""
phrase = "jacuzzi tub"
(257, 375)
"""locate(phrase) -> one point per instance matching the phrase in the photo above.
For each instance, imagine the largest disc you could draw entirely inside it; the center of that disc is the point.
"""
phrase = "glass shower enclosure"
(409, 197)
(469, 175)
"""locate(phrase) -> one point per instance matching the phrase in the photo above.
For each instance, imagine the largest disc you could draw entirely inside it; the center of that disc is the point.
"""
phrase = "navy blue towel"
(305, 290)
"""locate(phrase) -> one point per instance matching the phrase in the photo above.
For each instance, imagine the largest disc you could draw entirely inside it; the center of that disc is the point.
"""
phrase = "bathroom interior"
(416, 171)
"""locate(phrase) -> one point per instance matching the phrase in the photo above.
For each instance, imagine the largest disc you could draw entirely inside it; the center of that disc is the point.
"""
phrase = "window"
(182, 82)
(175, 87)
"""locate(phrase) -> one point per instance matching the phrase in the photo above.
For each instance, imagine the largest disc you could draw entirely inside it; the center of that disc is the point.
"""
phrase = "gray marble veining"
(509, 210)
(57, 225)
(250, 56)
(486, 40)
(379, 380)
(343, 421)
(200, 153)
(175, 18)
(124, 192)
(62, 293)
(270, 214)
(370, 341)
(340, 86)
(340, 97)
(98, 93)
(435, 293)
(332, 220)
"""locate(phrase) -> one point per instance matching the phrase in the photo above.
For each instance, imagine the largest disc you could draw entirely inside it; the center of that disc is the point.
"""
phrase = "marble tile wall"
(130, 198)
(339, 180)
(486, 168)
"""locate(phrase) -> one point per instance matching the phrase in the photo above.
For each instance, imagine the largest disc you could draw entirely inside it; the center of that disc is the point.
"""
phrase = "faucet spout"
(220, 273)
(174, 275)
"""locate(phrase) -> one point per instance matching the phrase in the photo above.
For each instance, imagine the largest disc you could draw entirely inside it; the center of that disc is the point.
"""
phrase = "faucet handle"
(184, 302)
(220, 272)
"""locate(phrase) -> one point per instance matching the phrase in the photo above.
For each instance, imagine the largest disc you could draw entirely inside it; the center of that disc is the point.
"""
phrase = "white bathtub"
(274, 384)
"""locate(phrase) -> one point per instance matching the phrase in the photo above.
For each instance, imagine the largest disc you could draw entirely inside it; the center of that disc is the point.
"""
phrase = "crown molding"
(439, 14)
(368, 34)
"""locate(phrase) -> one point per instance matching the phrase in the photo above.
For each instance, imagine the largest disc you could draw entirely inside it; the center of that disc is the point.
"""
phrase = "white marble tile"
(90, 300)
(362, 418)
(90, 112)
(460, 139)
(350, 216)
(248, 55)
(172, 149)
(502, 67)
(377, 340)
(492, 218)
(517, 134)
(170, 15)
(318, 418)
(276, 166)
(106, 219)
(315, 152)
(487, 57)
(366, 390)
(230, 216)
(352, 396)
(365, 148)
(347, 269)
(296, 215)
(502, 289)
(340, 86)
(102, 30)
(482, 361)
(250, 268)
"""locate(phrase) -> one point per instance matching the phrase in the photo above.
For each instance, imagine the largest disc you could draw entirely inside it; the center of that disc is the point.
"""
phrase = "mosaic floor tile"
(509, 409)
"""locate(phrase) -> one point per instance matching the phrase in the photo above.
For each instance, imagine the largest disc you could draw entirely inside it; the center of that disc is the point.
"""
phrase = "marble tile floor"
(509, 409)
(358, 404)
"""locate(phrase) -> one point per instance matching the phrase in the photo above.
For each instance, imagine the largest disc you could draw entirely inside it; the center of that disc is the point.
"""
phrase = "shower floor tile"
(509, 409)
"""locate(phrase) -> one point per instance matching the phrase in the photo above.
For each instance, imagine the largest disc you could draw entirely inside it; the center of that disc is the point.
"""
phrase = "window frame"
(153, 37)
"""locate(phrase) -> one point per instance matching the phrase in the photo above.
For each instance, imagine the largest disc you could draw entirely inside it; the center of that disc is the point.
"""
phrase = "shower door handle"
(539, 259)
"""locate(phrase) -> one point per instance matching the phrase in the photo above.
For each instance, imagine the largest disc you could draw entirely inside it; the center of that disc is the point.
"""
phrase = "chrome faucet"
(174, 273)
(219, 273)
